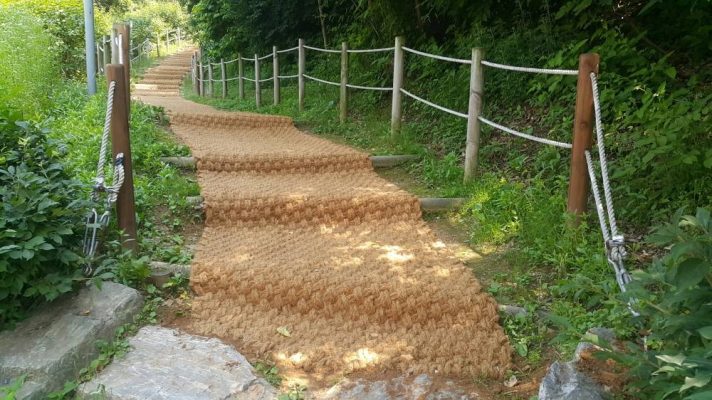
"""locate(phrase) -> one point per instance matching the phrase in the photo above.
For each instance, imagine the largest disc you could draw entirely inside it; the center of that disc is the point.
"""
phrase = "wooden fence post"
(194, 72)
(474, 110)
(240, 77)
(343, 90)
(300, 74)
(121, 143)
(201, 76)
(583, 135)
(223, 78)
(211, 92)
(275, 75)
(396, 104)
(258, 93)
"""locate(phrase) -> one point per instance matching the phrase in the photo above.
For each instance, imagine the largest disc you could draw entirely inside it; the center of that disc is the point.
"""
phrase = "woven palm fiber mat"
(311, 259)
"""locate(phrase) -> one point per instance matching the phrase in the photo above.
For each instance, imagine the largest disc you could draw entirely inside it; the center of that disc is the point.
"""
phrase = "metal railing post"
(124, 34)
(114, 46)
(474, 109)
(396, 104)
(106, 45)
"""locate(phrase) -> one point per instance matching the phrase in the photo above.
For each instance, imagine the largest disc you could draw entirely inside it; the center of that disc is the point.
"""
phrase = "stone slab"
(419, 387)
(564, 382)
(57, 341)
(167, 364)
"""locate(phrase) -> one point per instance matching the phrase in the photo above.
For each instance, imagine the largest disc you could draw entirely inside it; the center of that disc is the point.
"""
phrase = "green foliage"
(28, 69)
(673, 299)
(160, 189)
(9, 392)
(39, 220)
(150, 18)
(269, 371)
(63, 29)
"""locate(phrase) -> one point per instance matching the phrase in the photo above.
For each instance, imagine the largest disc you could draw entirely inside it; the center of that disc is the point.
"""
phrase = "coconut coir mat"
(310, 259)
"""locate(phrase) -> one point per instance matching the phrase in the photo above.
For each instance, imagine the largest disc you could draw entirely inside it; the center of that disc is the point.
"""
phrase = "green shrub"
(63, 27)
(39, 220)
(673, 298)
(78, 121)
(153, 17)
(28, 70)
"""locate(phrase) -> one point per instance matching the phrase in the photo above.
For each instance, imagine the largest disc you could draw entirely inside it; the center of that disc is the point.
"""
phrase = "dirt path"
(313, 261)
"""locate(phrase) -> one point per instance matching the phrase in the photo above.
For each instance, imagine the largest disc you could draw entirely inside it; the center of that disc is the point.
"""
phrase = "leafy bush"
(673, 299)
(153, 17)
(39, 220)
(28, 69)
(160, 189)
(63, 26)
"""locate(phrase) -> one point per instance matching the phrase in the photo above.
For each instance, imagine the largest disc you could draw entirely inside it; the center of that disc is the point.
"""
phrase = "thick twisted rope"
(602, 156)
(531, 70)
(99, 180)
(525, 135)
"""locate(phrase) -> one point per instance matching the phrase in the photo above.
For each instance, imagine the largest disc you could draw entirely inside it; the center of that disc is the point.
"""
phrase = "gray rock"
(400, 388)
(564, 382)
(166, 364)
(52, 346)
(599, 335)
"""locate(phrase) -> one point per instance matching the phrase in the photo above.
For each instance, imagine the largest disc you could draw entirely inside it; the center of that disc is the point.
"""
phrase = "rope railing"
(613, 240)
(524, 135)
(377, 88)
(431, 104)
(288, 50)
(588, 65)
(437, 57)
(321, 80)
(322, 50)
(94, 221)
(531, 70)
(383, 49)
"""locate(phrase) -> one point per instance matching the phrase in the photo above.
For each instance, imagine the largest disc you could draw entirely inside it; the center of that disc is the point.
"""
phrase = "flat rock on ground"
(52, 346)
(167, 364)
(419, 387)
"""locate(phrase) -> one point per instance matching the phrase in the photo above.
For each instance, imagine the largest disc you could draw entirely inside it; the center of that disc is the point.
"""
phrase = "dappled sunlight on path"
(312, 260)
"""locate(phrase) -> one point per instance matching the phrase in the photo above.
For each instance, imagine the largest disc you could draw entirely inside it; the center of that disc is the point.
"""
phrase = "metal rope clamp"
(96, 222)
(616, 253)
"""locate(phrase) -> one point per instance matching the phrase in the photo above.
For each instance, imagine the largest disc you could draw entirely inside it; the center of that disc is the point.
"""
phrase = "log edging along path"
(312, 260)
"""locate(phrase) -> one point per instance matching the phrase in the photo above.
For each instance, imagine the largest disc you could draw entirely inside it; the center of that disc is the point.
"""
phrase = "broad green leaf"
(697, 381)
(706, 332)
(691, 272)
(676, 360)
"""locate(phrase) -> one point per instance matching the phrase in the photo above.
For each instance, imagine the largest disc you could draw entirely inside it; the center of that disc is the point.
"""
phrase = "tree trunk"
(321, 18)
